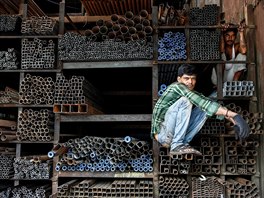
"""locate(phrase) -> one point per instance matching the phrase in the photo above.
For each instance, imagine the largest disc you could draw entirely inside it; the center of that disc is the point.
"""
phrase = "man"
(175, 122)
(231, 51)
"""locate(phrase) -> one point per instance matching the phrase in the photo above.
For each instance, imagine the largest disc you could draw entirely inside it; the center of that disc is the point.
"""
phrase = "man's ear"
(178, 78)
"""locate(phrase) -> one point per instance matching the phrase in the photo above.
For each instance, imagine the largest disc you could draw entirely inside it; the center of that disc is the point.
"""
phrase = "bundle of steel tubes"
(36, 90)
(241, 187)
(254, 120)
(104, 154)
(76, 47)
(9, 22)
(238, 88)
(35, 125)
(241, 158)
(7, 135)
(211, 159)
(177, 164)
(213, 126)
(163, 87)
(168, 73)
(9, 95)
(172, 46)
(40, 26)
(208, 15)
(208, 187)
(26, 192)
(204, 44)
(6, 166)
(8, 59)
(170, 186)
(70, 91)
(28, 169)
(116, 188)
(37, 54)
(129, 27)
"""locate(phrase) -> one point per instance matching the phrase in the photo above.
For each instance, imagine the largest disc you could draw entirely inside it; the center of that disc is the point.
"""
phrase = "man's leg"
(197, 120)
(173, 128)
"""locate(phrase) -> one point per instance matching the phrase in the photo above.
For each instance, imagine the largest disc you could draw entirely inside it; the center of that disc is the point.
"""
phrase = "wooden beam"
(107, 118)
(85, 19)
(112, 64)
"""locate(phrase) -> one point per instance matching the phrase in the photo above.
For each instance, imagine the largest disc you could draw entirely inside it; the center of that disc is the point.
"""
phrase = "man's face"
(230, 37)
(188, 80)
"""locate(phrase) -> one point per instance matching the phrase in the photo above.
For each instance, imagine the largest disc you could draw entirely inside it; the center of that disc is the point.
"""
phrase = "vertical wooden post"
(61, 17)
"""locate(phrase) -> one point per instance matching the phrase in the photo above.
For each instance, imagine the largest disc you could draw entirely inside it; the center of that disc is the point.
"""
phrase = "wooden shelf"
(30, 106)
(31, 70)
(200, 62)
(200, 27)
(110, 64)
(29, 36)
(106, 118)
(105, 174)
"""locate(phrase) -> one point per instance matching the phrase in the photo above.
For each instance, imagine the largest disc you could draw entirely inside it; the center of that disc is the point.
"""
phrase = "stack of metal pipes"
(8, 59)
(39, 25)
(104, 154)
(129, 27)
(172, 46)
(6, 166)
(167, 73)
(37, 54)
(211, 160)
(241, 187)
(9, 22)
(111, 188)
(176, 164)
(74, 47)
(70, 91)
(26, 192)
(28, 169)
(238, 88)
(204, 44)
(241, 158)
(7, 134)
(36, 90)
(206, 16)
(9, 96)
(211, 187)
(170, 186)
(35, 125)
(213, 126)
(254, 119)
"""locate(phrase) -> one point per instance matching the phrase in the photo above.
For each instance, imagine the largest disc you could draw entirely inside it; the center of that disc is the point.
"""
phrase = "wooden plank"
(105, 174)
(7, 123)
(91, 19)
(61, 17)
(114, 64)
(107, 118)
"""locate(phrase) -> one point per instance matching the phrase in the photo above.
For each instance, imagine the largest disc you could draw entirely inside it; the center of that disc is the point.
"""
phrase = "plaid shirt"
(171, 95)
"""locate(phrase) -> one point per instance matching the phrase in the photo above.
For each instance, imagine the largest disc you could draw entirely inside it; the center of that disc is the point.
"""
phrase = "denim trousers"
(181, 123)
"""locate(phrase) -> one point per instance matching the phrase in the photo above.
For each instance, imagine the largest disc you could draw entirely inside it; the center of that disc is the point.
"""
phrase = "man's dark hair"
(231, 29)
(187, 69)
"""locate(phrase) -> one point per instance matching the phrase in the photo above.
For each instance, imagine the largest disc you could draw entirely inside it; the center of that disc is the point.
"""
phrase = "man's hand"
(241, 127)
(241, 27)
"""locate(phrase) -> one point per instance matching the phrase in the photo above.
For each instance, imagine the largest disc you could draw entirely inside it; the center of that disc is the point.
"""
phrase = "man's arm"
(242, 41)
(227, 113)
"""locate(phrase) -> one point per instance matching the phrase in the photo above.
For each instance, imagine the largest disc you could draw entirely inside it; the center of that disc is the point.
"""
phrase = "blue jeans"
(181, 123)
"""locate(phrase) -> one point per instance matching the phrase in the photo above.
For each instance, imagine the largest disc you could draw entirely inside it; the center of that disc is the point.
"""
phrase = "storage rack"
(124, 118)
